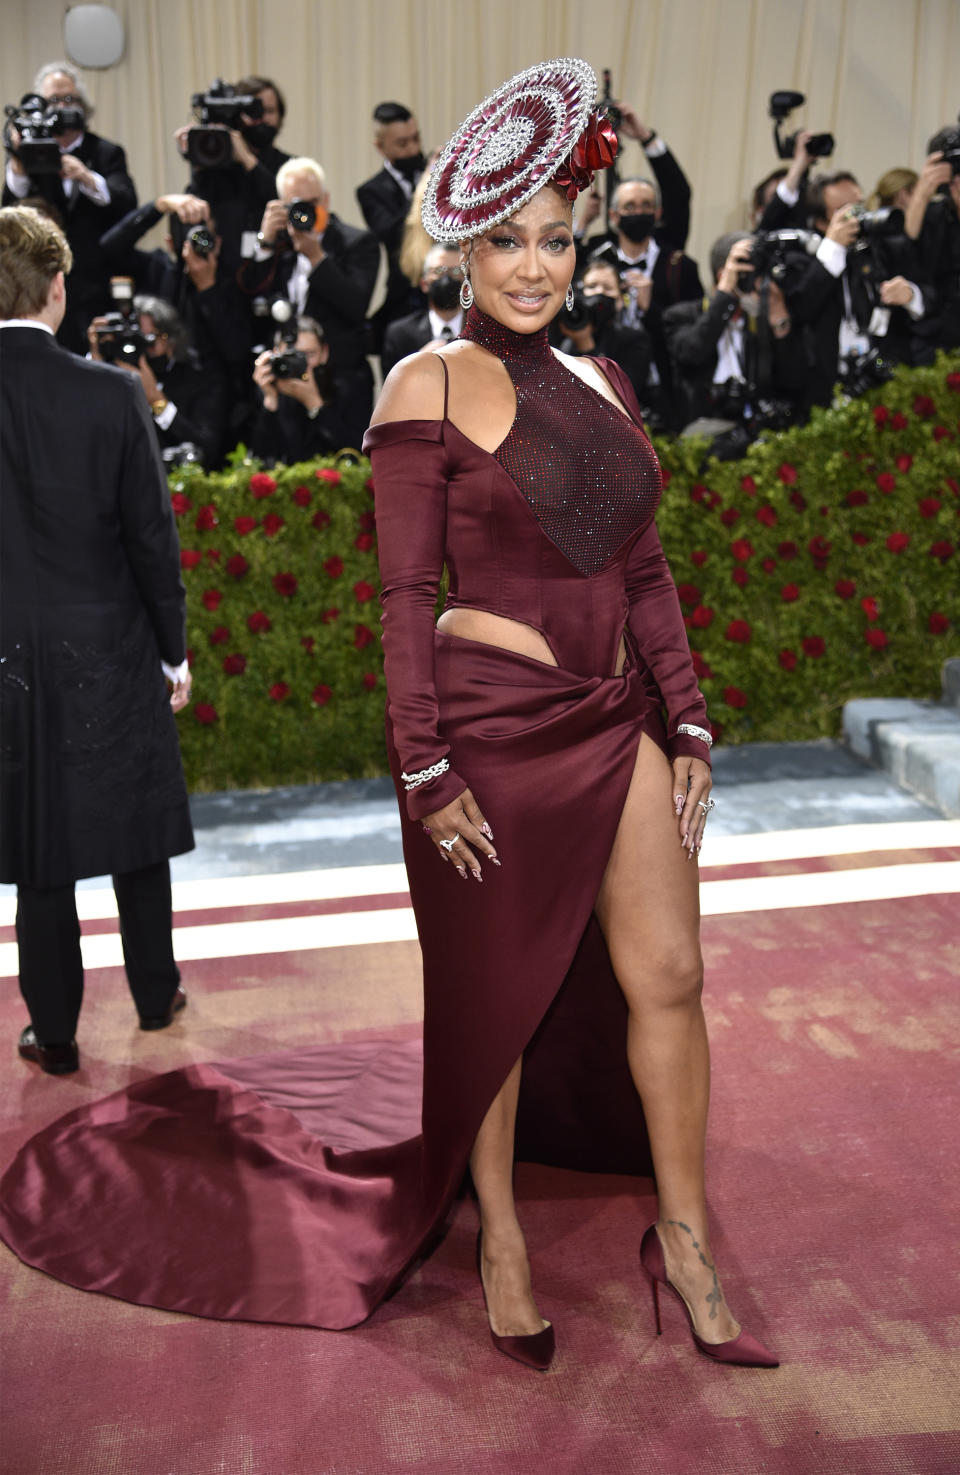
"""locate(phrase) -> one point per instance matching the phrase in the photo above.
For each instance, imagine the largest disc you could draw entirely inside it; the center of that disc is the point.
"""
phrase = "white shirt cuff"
(98, 191)
(17, 184)
(787, 195)
(833, 256)
(176, 674)
(915, 307)
(655, 148)
(167, 415)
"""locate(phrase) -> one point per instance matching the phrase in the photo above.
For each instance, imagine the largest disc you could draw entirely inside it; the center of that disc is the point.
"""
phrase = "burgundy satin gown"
(199, 1190)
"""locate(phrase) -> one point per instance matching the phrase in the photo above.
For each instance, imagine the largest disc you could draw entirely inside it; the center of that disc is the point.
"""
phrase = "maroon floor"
(834, 1194)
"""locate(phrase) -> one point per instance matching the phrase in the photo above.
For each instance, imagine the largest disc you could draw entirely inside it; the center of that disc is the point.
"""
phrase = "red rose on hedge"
(220, 635)
(285, 584)
(321, 695)
(262, 485)
(700, 668)
(876, 639)
(245, 525)
(819, 547)
(362, 636)
(729, 517)
(205, 713)
(308, 643)
(787, 659)
(789, 593)
(364, 542)
(742, 549)
(857, 498)
(924, 406)
(327, 473)
(212, 555)
(279, 691)
(702, 617)
(899, 421)
(698, 557)
(870, 607)
(689, 593)
(698, 492)
(767, 515)
(362, 591)
(929, 506)
(942, 550)
(272, 524)
(787, 550)
(368, 521)
(769, 565)
(739, 631)
(189, 558)
(666, 477)
(953, 382)
(813, 646)
(370, 681)
(258, 622)
(210, 599)
(904, 462)
(940, 432)
(320, 520)
(748, 485)
(237, 566)
(333, 566)
(329, 616)
(938, 624)
(798, 500)
(880, 415)
(861, 539)
(845, 588)
(734, 697)
(898, 541)
(234, 665)
(787, 474)
(887, 482)
(740, 576)
(206, 518)
(302, 496)
(180, 503)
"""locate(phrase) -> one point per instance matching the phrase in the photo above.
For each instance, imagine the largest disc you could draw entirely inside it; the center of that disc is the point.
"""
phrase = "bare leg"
(649, 911)
(504, 1266)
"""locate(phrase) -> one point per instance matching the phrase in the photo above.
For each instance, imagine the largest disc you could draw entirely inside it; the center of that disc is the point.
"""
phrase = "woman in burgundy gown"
(548, 742)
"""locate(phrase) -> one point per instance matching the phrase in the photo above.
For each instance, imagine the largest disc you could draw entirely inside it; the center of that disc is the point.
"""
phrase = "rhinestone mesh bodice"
(588, 473)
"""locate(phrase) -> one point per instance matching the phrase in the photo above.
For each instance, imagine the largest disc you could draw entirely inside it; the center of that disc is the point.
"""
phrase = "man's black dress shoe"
(160, 1021)
(56, 1060)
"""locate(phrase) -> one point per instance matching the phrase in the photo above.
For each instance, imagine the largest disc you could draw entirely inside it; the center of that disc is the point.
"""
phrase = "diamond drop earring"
(466, 289)
(569, 299)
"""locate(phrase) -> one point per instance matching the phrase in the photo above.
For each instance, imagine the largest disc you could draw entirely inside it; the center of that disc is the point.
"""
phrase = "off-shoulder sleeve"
(410, 474)
(657, 624)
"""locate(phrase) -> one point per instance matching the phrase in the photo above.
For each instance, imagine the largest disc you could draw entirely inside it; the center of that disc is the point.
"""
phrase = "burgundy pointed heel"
(534, 1350)
(741, 1351)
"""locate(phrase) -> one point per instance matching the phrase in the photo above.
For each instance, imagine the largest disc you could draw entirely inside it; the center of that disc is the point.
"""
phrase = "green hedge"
(821, 567)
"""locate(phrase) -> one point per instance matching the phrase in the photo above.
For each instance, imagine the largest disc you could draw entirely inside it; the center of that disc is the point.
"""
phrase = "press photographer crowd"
(265, 318)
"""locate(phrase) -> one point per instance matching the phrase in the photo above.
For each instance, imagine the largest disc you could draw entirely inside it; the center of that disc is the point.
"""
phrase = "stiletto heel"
(741, 1351)
(534, 1350)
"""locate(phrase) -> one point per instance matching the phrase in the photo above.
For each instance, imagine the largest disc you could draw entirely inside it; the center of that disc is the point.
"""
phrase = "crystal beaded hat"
(539, 126)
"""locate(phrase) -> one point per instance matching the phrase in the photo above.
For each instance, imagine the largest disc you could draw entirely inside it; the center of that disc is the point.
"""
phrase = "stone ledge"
(917, 743)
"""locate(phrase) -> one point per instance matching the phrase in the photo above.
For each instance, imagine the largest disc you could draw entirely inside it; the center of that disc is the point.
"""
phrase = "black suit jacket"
(385, 206)
(404, 336)
(88, 285)
(693, 333)
(238, 198)
(90, 600)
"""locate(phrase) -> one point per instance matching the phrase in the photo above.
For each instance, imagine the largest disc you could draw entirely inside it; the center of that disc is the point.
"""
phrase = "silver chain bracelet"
(414, 780)
(695, 732)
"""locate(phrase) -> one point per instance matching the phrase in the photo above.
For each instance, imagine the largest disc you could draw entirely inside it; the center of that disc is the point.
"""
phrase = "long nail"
(486, 830)
(678, 802)
(493, 860)
(462, 871)
(477, 877)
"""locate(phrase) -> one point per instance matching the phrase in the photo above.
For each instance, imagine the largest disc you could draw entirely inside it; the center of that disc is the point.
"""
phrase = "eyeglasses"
(64, 98)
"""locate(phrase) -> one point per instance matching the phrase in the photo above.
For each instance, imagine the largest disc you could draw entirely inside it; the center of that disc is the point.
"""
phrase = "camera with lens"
(819, 145)
(201, 239)
(860, 372)
(288, 363)
(39, 124)
(120, 340)
(185, 454)
(220, 108)
(875, 224)
(770, 255)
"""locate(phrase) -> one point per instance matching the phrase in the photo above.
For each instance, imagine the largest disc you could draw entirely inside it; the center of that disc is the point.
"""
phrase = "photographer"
(777, 199)
(385, 199)
(441, 319)
(188, 403)
(236, 180)
(933, 220)
(594, 327)
(90, 191)
(298, 418)
(739, 365)
(859, 296)
(327, 270)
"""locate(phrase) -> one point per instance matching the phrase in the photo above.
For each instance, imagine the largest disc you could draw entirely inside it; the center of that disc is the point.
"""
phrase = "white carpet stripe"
(349, 929)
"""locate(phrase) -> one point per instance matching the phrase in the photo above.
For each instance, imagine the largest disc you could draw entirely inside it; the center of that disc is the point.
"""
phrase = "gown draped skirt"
(299, 1188)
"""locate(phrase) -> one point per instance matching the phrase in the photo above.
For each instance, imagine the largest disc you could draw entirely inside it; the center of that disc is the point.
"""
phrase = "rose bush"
(822, 567)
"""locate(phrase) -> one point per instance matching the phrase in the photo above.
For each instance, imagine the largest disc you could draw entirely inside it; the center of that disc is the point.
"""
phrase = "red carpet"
(834, 1192)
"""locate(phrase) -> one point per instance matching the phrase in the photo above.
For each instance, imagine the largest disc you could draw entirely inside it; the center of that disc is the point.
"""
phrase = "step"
(917, 743)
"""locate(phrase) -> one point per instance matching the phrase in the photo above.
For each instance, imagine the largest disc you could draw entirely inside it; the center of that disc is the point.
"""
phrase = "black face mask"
(637, 228)
(603, 309)
(443, 294)
(259, 135)
(409, 167)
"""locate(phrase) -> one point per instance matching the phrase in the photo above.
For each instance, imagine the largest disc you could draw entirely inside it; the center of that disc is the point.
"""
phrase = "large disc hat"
(539, 127)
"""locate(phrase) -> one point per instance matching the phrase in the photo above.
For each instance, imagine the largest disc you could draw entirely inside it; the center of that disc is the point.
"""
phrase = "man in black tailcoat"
(385, 203)
(91, 616)
(92, 191)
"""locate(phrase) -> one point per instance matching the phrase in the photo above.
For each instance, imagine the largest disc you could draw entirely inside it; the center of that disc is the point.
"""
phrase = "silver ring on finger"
(448, 845)
(706, 807)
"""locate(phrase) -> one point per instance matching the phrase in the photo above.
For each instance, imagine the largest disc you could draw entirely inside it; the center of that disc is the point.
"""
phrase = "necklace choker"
(478, 327)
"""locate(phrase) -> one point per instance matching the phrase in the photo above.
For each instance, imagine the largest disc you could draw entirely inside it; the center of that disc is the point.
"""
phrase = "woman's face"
(521, 269)
(316, 352)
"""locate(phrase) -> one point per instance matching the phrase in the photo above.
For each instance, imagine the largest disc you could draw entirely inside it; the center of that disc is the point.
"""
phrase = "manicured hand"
(463, 819)
(692, 783)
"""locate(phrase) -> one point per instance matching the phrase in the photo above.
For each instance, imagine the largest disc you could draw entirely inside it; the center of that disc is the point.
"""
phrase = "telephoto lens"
(202, 240)
(302, 215)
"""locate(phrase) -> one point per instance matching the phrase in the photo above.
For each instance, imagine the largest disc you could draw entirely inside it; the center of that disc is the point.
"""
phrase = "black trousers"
(51, 968)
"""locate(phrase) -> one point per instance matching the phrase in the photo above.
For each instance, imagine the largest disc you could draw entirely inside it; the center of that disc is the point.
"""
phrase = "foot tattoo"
(715, 1296)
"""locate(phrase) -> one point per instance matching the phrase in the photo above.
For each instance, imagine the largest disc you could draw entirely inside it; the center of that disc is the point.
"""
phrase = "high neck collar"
(502, 341)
